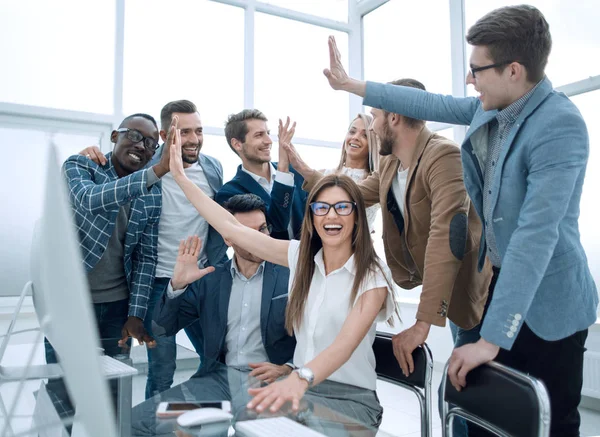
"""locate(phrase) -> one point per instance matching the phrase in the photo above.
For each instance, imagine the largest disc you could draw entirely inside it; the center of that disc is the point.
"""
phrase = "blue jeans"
(162, 358)
(460, 337)
(110, 318)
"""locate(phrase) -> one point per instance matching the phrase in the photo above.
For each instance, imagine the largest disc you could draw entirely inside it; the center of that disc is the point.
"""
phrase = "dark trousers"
(559, 365)
(110, 318)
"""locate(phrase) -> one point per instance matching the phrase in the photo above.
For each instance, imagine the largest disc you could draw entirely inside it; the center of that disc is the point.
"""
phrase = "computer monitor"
(63, 304)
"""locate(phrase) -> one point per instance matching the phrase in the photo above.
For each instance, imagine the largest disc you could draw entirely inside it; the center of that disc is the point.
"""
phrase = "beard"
(386, 141)
(252, 157)
(190, 159)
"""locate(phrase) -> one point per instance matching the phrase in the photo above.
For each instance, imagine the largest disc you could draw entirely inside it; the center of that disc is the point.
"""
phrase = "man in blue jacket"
(277, 184)
(240, 306)
(524, 159)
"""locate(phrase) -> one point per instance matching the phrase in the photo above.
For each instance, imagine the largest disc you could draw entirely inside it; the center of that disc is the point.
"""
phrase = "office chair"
(499, 399)
(419, 382)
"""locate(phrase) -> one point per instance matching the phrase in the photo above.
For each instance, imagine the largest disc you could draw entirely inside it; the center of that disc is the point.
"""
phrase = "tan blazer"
(438, 246)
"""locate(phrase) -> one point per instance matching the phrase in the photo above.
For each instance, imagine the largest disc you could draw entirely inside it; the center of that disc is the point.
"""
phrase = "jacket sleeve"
(87, 195)
(419, 104)
(552, 184)
(173, 315)
(448, 233)
(144, 260)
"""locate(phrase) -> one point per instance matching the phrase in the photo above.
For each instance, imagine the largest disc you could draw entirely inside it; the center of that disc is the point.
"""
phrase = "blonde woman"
(338, 290)
(360, 157)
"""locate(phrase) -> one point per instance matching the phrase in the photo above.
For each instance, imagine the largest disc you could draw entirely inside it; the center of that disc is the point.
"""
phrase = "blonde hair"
(373, 142)
(365, 258)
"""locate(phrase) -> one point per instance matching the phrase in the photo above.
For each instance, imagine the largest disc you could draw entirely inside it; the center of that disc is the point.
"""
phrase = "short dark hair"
(516, 34)
(140, 115)
(236, 126)
(413, 83)
(245, 203)
(181, 106)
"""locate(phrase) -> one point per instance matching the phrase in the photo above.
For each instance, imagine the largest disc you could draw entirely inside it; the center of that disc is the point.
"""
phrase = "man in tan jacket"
(430, 233)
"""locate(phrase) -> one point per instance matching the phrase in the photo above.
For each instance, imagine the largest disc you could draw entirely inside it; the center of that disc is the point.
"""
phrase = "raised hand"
(186, 268)
(174, 148)
(286, 133)
(336, 75)
(296, 161)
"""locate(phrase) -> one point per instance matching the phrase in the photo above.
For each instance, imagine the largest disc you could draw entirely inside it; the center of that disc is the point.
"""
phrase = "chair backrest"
(504, 398)
(387, 366)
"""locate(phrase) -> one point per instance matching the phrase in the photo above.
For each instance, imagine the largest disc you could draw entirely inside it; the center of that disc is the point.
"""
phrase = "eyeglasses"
(487, 67)
(341, 208)
(266, 229)
(136, 136)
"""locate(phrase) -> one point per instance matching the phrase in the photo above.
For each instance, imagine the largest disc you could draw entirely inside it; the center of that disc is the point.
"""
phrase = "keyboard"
(114, 368)
(274, 427)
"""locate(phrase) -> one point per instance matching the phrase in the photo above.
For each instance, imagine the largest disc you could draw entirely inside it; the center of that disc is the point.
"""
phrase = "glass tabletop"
(330, 413)
(42, 402)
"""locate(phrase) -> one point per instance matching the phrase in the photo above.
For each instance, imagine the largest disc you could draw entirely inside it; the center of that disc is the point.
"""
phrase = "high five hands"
(337, 76)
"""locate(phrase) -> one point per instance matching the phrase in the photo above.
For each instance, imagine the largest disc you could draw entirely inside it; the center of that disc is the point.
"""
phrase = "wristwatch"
(306, 374)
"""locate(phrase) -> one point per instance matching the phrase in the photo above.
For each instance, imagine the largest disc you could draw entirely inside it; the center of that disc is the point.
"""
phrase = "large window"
(575, 43)
(397, 44)
(334, 9)
(58, 54)
(289, 61)
(184, 49)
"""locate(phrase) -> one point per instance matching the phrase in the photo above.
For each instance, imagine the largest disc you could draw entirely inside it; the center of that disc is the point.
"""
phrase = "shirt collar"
(512, 111)
(235, 271)
(349, 265)
(258, 178)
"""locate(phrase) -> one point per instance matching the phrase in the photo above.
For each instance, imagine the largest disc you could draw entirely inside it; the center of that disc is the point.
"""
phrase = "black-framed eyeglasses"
(341, 208)
(266, 229)
(487, 67)
(136, 136)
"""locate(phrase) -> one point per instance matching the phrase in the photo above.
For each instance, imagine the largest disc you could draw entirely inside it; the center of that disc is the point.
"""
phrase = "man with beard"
(179, 219)
(277, 184)
(430, 234)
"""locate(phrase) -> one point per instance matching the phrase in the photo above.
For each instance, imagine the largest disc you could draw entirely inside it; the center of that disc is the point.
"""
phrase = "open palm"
(336, 75)
(186, 267)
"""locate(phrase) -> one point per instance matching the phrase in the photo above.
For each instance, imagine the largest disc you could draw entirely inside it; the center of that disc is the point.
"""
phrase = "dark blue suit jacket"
(284, 204)
(207, 300)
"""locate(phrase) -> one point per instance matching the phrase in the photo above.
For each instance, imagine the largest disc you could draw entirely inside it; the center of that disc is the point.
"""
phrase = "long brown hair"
(365, 258)
(372, 141)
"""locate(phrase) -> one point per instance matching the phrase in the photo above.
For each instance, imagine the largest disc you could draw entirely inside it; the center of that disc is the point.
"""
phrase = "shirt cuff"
(290, 364)
(172, 294)
(285, 178)
(151, 177)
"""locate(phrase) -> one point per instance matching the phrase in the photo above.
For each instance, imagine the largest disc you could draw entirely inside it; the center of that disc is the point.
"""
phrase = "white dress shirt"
(327, 307)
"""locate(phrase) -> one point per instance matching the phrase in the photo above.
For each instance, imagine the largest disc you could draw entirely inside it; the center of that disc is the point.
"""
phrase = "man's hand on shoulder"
(94, 153)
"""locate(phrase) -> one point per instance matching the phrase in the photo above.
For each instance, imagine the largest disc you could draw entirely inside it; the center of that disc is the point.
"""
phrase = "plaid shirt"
(96, 195)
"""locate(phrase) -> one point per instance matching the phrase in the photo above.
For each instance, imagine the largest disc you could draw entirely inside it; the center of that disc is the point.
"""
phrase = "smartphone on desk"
(174, 409)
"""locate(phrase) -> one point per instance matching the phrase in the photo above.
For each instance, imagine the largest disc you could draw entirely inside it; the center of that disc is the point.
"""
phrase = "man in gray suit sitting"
(240, 306)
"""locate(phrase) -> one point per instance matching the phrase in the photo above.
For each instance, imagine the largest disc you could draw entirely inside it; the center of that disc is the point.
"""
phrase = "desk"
(326, 414)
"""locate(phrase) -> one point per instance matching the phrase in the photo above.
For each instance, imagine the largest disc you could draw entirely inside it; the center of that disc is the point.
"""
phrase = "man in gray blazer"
(524, 160)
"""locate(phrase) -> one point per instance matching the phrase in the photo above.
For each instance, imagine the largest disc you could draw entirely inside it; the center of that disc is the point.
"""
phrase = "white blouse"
(358, 175)
(326, 310)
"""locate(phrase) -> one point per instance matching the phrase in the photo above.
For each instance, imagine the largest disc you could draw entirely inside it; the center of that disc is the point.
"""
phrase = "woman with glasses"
(360, 157)
(339, 289)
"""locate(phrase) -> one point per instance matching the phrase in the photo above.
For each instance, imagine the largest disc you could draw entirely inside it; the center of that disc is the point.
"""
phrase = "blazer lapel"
(249, 184)
(267, 295)
(209, 172)
(224, 295)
